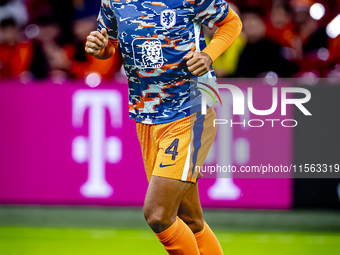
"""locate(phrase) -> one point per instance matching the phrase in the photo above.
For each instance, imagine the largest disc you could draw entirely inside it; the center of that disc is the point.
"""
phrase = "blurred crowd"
(45, 39)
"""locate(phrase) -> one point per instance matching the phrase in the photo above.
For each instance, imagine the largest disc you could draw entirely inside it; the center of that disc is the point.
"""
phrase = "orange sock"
(178, 239)
(207, 242)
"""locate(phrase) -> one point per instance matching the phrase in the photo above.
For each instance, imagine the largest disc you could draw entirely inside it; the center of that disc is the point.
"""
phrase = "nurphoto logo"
(239, 103)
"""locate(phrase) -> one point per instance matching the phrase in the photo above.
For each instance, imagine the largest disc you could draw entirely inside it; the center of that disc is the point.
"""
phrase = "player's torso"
(154, 37)
(154, 33)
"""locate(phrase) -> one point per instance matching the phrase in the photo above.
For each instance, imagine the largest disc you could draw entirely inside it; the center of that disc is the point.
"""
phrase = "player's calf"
(190, 210)
(194, 222)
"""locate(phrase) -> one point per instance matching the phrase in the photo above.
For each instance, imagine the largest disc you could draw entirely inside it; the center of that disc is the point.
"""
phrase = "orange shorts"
(172, 150)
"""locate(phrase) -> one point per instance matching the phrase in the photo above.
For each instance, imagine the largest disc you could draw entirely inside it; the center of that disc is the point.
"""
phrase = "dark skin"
(190, 210)
(96, 42)
(165, 198)
(168, 198)
(198, 62)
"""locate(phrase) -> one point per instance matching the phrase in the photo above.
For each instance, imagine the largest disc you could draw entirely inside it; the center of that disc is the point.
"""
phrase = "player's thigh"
(190, 210)
(173, 158)
(149, 147)
(163, 198)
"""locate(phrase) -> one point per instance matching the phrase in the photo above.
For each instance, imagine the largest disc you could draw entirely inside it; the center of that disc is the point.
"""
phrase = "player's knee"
(195, 223)
(157, 219)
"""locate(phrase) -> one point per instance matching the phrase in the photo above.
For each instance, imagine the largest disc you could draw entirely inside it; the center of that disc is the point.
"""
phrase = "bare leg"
(162, 202)
(160, 210)
(190, 210)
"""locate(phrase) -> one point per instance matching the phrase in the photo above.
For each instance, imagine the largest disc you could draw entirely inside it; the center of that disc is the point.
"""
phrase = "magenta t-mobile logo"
(97, 148)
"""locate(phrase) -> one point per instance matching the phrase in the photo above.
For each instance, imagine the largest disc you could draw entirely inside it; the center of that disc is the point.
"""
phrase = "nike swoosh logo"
(120, 19)
(161, 165)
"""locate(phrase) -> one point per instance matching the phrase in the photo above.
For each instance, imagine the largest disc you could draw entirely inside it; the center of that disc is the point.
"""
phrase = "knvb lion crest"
(147, 53)
(152, 54)
(168, 18)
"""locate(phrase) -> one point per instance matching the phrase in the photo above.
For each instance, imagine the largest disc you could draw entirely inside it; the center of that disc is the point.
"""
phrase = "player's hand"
(198, 63)
(96, 42)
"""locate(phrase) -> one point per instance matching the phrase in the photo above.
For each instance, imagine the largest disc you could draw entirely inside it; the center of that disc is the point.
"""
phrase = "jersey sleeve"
(211, 12)
(106, 19)
(226, 34)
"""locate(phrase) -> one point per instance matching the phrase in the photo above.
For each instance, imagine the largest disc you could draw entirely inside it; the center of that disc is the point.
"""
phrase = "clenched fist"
(96, 42)
(199, 63)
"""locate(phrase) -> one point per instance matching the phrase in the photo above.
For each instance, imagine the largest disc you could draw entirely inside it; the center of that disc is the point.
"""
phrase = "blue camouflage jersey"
(154, 36)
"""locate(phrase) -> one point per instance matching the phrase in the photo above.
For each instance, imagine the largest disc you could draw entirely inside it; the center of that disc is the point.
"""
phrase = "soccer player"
(163, 50)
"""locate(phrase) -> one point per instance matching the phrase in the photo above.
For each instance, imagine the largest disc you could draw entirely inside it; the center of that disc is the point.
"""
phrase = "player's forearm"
(108, 51)
(228, 31)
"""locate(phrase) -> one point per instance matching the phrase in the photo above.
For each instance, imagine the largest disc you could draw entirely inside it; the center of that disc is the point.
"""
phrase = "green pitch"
(51, 241)
(51, 230)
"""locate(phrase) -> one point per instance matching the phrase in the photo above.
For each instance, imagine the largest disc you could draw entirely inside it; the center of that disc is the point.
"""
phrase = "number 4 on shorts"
(174, 152)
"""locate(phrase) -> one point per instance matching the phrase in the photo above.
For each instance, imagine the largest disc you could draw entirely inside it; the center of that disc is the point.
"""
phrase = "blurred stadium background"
(58, 106)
